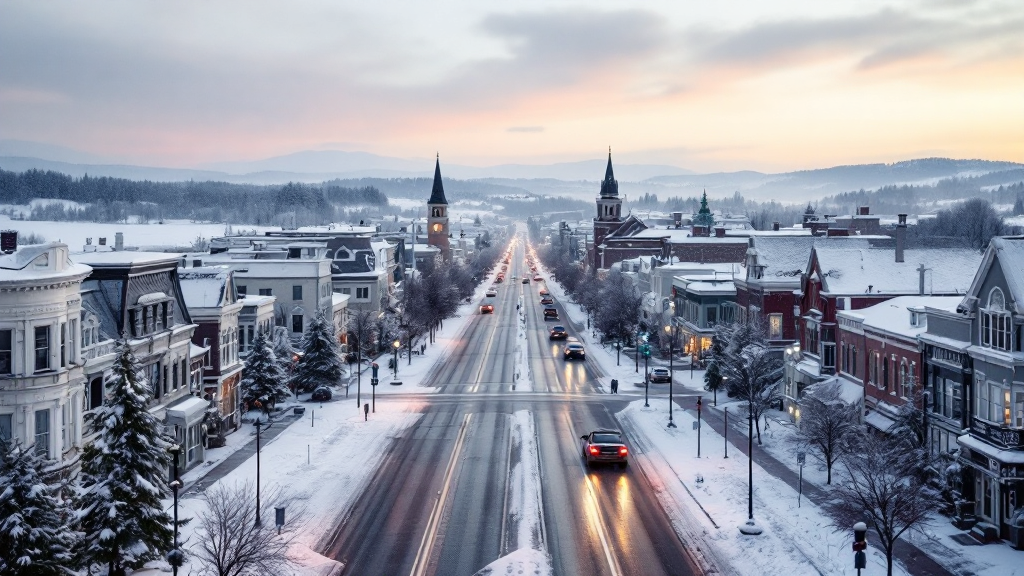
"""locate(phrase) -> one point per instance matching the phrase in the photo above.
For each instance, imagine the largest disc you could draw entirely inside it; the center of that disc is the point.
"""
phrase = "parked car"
(492, 293)
(661, 375)
(574, 350)
(605, 446)
(550, 313)
(526, 280)
(558, 333)
(537, 278)
(321, 394)
(543, 291)
(546, 300)
(487, 309)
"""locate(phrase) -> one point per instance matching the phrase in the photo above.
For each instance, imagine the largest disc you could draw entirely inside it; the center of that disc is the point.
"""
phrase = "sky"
(707, 86)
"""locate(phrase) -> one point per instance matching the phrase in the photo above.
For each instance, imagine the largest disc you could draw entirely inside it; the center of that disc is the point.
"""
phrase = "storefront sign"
(997, 435)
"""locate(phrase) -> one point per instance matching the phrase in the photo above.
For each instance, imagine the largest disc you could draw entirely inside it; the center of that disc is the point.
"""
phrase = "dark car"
(558, 333)
(574, 350)
(321, 394)
(526, 280)
(550, 313)
(660, 375)
(546, 300)
(605, 446)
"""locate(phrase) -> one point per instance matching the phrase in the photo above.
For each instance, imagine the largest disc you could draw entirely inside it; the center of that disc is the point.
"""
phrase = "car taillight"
(623, 451)
(595, 450)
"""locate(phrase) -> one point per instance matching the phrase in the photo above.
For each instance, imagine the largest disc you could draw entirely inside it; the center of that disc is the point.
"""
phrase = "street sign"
(374, 381)
(801, 457)
(860, 561)
(694, 425)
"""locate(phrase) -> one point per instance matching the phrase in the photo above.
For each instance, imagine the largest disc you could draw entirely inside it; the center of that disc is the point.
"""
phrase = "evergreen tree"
(283, 350)
(34, 540)
(704, 216)
(713, 374)
(320, 364)
(1018, 206)
(263, 381)
(124, 476)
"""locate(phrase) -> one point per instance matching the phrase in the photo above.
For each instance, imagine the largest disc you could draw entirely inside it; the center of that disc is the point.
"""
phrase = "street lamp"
(750, 528)
(671, 375)
(175, 557)
(396, 344)
(258, 424)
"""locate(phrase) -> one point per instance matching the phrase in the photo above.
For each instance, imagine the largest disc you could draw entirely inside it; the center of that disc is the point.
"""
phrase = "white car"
(492, 293)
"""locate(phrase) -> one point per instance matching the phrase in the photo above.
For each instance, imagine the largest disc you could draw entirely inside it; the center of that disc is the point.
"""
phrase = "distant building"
(437, 216)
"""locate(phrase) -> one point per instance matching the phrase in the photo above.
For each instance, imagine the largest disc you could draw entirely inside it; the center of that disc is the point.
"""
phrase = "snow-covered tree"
(704, 217)
(828, 424)
(124, 476)
(263, 381)
(881, 488)
(752, 372)
(713, 375)
(320, 364)
(618, 315)
(34, 537)
(281, 342)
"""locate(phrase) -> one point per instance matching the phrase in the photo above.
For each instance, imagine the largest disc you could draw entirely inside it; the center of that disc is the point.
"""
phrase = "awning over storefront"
(187, 412)
(879, 421)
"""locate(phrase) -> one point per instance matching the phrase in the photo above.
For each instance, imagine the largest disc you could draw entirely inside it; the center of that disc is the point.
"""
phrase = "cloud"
(526, 129)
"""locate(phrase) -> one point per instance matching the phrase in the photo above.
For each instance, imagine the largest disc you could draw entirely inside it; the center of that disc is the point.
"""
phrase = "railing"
(98, 350)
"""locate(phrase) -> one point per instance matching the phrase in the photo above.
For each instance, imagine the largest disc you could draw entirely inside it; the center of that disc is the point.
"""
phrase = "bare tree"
(827, 423)
(753, 375)
(618, 315)
(229, 541)
(881, 488)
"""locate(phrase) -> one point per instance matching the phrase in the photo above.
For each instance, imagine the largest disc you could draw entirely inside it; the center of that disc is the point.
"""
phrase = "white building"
(41, 380)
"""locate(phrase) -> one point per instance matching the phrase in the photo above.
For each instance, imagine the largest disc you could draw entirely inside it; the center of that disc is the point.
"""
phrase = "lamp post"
(176, 558)
(396, 345)
(258, 424)
(671, 330)
(647, 378)
(699, 404)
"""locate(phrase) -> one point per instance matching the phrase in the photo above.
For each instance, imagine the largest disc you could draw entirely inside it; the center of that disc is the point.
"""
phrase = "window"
(43, 433)
(296, 292)
(65, 437)
(6, 351)
(775, 326)
(296, 322)
(996, 323)
(828, 354)
(133, 322)
(995, 398)
(362, 293)
(712, 315)
(885, 373)
(981, 404)
(6, 426)
(95, 393)
(853, 361)
(241, 289)
(904, 379)
(1018, 408)
(152, 372)
(192, 444)
(346, 291)
(63, 344)
(42, 348)
(266, 292)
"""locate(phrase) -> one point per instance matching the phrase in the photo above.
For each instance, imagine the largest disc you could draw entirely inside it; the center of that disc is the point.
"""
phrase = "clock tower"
(437, 215)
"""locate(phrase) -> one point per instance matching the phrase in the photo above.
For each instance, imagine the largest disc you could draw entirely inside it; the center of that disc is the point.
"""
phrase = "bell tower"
(437, 215)
(609, 212)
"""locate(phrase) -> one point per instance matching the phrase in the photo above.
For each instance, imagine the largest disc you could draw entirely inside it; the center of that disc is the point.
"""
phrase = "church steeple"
(609, 186)
(437, 192)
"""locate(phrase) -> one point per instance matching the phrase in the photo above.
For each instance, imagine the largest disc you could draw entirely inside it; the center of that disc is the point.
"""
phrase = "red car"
(487, 309)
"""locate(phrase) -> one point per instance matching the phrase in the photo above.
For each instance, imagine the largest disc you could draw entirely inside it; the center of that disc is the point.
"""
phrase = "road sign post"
(801, 458)
(860, 560)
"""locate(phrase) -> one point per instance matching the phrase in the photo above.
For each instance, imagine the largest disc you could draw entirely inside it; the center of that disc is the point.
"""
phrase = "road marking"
(419, 566)
(613, 564)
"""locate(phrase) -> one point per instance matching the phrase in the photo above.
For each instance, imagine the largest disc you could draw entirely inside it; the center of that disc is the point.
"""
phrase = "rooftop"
(125, 258)
(893, 315)
(854, 271)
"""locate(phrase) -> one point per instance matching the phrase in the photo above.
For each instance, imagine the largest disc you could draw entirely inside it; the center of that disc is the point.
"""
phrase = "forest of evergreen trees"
(106, 199)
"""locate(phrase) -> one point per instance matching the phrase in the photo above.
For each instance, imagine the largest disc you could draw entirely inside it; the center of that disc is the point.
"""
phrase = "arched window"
(995, 322)
(95, 393)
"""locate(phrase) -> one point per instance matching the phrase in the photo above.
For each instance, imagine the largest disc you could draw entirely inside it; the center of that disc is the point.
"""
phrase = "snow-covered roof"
(849, 392)
(256, 300)
(206, 287)
(124, 258)
(34, 262)
(1009, 252)
(893, 316)
(850, 271)
(726, 288)
(982, 447)
(339, 299)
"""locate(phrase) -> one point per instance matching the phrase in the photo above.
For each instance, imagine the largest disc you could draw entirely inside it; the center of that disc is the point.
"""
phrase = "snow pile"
(522, 562)
(524, 380)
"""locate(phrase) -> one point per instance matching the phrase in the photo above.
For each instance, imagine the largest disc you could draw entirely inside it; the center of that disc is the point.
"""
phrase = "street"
(439, 503)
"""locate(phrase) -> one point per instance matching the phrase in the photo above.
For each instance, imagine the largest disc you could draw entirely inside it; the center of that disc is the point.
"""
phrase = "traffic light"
(860, 530)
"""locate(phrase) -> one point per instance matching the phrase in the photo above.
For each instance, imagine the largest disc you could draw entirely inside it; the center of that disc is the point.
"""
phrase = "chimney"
(103, 241)
(88, 241)
(720, 232)
(920, 279)
(8, 241)
(775, 226)
(699, 230)
(677, 219)
(119, 241)
(863, 211)
(901, 237)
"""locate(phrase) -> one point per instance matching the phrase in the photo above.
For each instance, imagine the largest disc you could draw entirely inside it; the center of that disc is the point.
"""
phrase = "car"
(526, 280)
(660, 375)
(537, 278)
(550, 313)
(321, 394)
(492, 293)
(574, 350)
(546, 300)
(499, 279)
(604, 446)
(558, 333)
(543, 292)
(487, 309)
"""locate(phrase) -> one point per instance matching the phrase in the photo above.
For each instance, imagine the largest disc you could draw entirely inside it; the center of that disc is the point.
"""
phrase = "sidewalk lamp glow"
(396, 344)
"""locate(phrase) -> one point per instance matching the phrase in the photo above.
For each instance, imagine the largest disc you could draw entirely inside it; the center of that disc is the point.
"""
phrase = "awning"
(879, 421)
(188, 411)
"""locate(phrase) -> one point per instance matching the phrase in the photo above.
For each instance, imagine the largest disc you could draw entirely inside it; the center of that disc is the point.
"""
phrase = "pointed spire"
(437, 192)
(609, 186)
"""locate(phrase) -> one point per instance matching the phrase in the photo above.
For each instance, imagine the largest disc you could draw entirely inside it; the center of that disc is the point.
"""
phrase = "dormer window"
(916, 319)
(995, 322)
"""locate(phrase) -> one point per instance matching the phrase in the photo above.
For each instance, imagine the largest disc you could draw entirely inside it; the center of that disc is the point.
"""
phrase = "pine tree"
(124, 476)
(34, 540)
(283, 349)
(320, 364)
(704, 216)
(263, 381)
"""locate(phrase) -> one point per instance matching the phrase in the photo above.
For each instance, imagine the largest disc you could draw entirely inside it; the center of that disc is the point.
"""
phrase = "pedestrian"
(366, 412)
(615, 386)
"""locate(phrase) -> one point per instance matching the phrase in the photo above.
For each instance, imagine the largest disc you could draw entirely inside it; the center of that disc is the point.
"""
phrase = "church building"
(437, 216)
